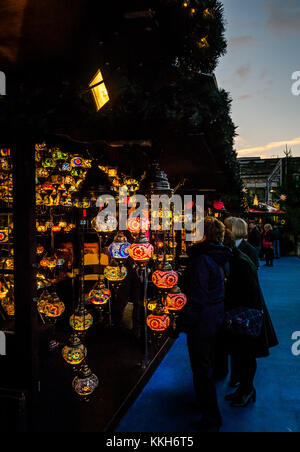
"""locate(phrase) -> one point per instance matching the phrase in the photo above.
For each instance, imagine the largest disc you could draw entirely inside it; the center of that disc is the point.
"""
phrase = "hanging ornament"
(8, 306)
(165, 277)
(81, 320)
(86, 382)
(104, 225)
(141, 251)
(75, 352)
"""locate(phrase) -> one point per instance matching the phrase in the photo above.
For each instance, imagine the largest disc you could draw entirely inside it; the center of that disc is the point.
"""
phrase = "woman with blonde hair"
(239, 230)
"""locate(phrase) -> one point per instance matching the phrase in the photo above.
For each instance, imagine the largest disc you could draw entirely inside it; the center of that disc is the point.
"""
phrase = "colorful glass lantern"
(81, 320)
(100, 295)
(119, 249)
(101, 225)
(165, 277)
(75, 352)
(158, 321)
(86, 382)
(51, 306)
(4, 236)
(8, 306)
(114, 273)
(141, 251)
(175, 300)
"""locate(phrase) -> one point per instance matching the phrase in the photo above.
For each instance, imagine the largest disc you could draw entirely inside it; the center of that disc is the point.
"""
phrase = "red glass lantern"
(141, 251)
(175, 300)
(165, 277)
(158, 324)
(219, 205)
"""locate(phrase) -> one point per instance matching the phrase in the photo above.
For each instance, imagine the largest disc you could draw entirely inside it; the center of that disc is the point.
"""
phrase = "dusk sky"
(263, 53)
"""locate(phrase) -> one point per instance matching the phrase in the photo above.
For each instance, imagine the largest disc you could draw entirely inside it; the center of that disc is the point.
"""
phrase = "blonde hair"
(237, 226)
(268, 227)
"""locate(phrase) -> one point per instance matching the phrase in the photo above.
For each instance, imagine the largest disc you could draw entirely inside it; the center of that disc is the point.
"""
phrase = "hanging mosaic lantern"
(8, 306)
(4, 236)
(81, 320)
(165, 277)
(50, 306)
(114, 273)
(175, 300)
(77, 162)
(86, 382)
(104, 225)
(100, 295)
(141, 251)
(158, 321)
(119, 249)
(75, 352)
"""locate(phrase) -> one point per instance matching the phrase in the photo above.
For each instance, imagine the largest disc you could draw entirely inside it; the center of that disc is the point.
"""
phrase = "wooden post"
(26, 359)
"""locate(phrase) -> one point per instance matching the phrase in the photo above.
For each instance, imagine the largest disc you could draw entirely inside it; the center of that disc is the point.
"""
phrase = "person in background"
(276, 242)
(204, 316)
(239, 229)
(254, 237)
(267, 242)
(243, 290)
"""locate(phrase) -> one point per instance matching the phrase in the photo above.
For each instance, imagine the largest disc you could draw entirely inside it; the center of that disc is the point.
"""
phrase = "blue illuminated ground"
(167, 402)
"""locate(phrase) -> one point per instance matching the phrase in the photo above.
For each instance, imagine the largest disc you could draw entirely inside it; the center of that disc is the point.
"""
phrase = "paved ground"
(167, 402)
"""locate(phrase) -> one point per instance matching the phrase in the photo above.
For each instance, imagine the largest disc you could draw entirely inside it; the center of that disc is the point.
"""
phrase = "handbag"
(244, 322)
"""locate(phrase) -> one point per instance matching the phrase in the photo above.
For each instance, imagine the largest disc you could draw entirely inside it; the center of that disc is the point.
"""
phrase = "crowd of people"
(226, 314)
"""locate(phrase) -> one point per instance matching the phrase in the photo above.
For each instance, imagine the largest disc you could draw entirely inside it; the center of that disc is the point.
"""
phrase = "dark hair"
(214, 230)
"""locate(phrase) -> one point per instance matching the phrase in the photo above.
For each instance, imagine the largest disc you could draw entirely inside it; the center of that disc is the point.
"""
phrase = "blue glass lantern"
(119, 249)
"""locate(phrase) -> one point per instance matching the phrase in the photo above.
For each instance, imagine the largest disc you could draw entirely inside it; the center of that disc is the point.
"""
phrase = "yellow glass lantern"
(75, 352)
(114, 273)
(81, 320)
(50, 305)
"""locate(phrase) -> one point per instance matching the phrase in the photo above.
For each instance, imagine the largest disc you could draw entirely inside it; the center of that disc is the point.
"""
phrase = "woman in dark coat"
(268, 245)
(243, 290)
(204, 315)
(239, 229)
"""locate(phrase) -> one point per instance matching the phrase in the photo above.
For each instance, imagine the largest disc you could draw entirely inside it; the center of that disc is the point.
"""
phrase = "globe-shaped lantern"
(158, 321)
(51, 306)
(114, 273)
(8, 306)
(141, 251)
(75, 352)
(175, 300)
(119, 249)
(81, 321)
(165, 278)
(99, 296)
(86, 382)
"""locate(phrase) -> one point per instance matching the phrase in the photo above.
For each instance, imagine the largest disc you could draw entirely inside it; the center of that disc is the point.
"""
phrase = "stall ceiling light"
(99, 90)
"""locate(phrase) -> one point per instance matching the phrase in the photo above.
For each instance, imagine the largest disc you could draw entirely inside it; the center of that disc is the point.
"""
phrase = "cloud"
(241, 41)
(243, 71)
(269, 146)
(245, 97)
(284, 16)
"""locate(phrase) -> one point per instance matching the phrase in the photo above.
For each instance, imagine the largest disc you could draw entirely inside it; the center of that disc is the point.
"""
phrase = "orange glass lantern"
(81, 320)
(141, 251)
(75, 352)
(50, 306)
(158, 321)
(175, 300)
(99, 295)
(165, 278)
